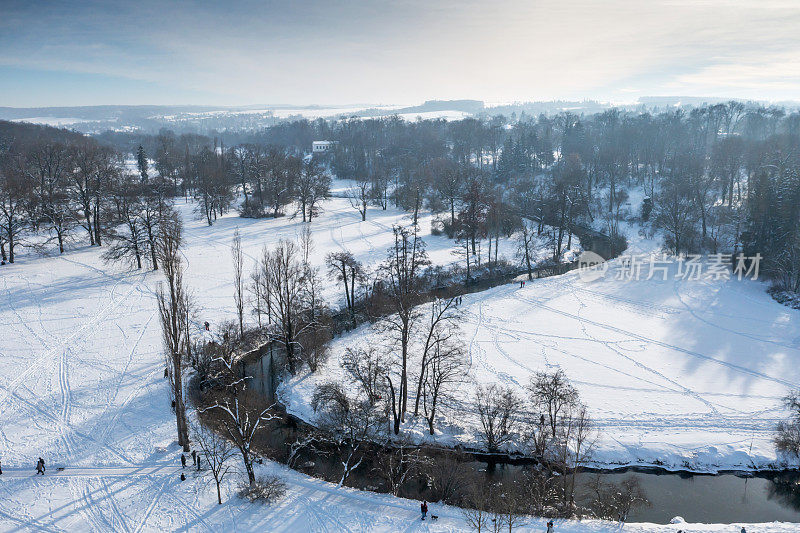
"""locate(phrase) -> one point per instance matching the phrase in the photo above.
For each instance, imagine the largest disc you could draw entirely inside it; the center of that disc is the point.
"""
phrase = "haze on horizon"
(308, 52)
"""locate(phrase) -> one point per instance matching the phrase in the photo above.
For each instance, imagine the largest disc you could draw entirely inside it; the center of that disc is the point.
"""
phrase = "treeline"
(57, 187)
(715, 179)
(720, 179)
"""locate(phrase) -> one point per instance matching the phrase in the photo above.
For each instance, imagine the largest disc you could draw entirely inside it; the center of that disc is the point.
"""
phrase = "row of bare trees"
(53, 187)
(57, 187)
(53, 183)
(272, 178)
(236, 408)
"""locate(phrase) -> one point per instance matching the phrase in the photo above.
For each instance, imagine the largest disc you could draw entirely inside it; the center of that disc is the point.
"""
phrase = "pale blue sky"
(303, 52)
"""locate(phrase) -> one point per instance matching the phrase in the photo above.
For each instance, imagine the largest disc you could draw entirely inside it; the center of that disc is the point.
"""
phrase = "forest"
(714, 179)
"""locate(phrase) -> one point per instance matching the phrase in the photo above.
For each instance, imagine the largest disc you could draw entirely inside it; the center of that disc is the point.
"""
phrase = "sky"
(400, 52)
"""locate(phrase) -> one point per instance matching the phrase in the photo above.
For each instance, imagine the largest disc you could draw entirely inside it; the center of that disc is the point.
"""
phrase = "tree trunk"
(180, 406)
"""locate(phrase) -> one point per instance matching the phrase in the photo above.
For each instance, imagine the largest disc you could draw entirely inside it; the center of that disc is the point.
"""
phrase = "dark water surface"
(724, 498)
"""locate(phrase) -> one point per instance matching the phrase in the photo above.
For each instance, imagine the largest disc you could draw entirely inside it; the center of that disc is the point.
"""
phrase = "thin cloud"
(326, 52)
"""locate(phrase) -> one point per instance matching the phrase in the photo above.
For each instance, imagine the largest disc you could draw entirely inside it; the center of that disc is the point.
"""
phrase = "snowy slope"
(680, 373)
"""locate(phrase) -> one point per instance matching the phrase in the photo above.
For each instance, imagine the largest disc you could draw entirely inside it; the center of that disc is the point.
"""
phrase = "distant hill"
(20, 130)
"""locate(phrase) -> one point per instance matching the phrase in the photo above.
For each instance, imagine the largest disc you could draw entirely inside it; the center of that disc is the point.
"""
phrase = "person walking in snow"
(424, 508)
(207, 326)
(183, 460)
(549, 526)
(40, 466)
(1, 469)
(194, 458)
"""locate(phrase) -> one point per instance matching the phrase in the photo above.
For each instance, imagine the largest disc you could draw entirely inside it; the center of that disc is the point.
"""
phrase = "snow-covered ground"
(686, 374)
(81, 372)
(58, 122)
(127, 499)
(81, 380)
(446, 114)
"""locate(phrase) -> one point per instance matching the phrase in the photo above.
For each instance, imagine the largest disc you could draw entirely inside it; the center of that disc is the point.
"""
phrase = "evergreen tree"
(141, 163)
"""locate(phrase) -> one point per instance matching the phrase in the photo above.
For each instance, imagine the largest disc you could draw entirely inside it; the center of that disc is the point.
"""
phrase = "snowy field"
(684, 374)
(81, 371)
(81, 380)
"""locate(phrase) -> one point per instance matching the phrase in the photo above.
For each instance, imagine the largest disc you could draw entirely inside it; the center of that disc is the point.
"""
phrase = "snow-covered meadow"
(664, 368)
(81, 370)
(680, 373)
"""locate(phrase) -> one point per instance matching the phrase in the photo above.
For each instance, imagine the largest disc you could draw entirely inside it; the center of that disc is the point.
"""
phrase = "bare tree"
(477, 513)
(676, 215)
(367, 368)
(359, 197)
(573, 447)
(552, 393)
(128, 240)
(14, 197)
(462, 250)
(242, 423)
(403, 267)
(261, 288)
(285, 277)
(314, 335)
(443, 315)
(447, 180)
(93, 168)
(153, 211)
(448, 473)
(313, 186)
(217, 451)
(526, 249)
(507, 500)
(49, 164)
(541, 491)
(254, 288)
(351, 423)
(173, 307)
(496, 407)
(347, 269)
(447, 366)
(281, 178)
(787, 439)
(614, 501)
(238, 281)
(397, 463)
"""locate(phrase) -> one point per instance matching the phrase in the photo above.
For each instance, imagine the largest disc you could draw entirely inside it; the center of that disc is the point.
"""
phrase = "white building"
(320, 147)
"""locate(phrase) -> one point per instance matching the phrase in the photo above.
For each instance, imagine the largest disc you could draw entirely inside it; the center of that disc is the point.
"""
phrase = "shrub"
(265, 489)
